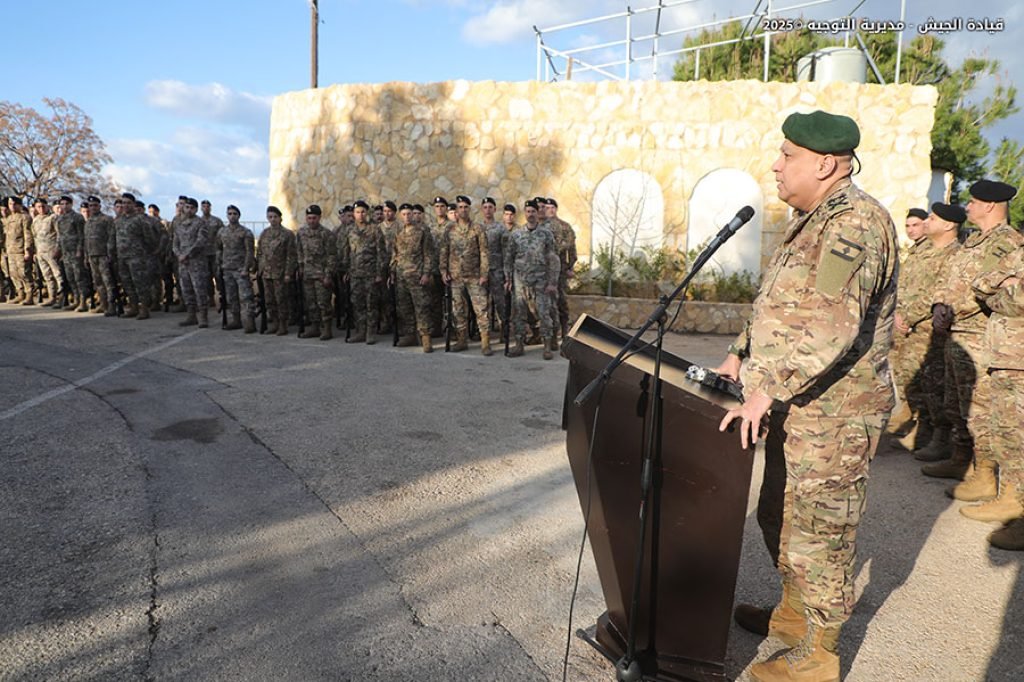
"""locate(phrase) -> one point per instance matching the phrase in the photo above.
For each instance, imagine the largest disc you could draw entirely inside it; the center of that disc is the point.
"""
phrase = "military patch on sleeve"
(838, 204)
(839, 261)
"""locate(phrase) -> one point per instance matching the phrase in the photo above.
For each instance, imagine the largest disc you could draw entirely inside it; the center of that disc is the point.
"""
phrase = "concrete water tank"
(833, 64)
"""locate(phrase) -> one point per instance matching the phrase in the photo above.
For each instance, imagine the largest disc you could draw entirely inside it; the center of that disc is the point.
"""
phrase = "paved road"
(204, 505)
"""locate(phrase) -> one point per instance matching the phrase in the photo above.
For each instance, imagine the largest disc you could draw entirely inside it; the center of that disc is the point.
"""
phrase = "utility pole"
(314, 42)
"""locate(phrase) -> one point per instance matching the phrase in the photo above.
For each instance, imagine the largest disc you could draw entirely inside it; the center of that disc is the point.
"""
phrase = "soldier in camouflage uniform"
(389, 226)
(99, 242)
(531, 274)
(411, 259)
(47, 241)
(277, 262)
(213, 226)
(71, 232)
(364, 265)
(465, 262)
(237, 260)
(967, 318)
(921, 356)
(496, 235)
(1003, 294)
(437, 228)
(816, 350)
(137, 240)
(19, 245)
(316, 252)
(189, 246)
(4, 267)
(165, 284)
(565, 239)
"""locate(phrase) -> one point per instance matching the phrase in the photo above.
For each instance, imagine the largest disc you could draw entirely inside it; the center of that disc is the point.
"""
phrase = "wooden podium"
(696, 514)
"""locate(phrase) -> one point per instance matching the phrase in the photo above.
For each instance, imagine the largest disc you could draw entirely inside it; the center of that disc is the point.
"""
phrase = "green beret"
(822, 132)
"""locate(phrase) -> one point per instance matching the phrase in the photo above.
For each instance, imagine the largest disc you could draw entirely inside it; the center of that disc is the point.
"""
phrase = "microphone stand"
(627, 668)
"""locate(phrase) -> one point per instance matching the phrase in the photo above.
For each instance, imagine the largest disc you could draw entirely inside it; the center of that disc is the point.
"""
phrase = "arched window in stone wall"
(627, 213)
(713, 203)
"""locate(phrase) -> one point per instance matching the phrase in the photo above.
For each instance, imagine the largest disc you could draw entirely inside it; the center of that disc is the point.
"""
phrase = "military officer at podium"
(814, 359)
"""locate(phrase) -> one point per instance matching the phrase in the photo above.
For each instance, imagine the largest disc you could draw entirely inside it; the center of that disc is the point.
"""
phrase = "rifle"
(394, 309)
(222, 299)
(338, 303)
(117, 295)
(168, 285)
(301, 296)
(261, 302)
(347, 289)
(446, 312)
(507, 322)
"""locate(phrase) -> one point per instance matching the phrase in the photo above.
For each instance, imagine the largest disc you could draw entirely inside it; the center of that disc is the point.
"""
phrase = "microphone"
(741, 218)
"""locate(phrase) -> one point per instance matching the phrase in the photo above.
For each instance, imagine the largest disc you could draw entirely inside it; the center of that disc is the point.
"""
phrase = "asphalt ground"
(200, 504)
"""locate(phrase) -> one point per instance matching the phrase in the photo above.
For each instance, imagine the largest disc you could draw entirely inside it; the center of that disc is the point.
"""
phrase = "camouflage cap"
(992, 190)
(822, 132)
(951, 212)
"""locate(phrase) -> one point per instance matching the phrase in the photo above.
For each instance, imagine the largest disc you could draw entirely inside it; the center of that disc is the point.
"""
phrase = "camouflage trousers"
(195, 278)
(972, 416)
(78, 277)
(50, 267)
(561, 307)
(496, 286)
(275, 293)
(238, 292)
(531, 298)
(364, 293)
(413, 305)
(102, 278)
(136, 278)
(919, 368)
(1007, 387)
(318, 298)
(812, 500)
(18, 272)
(477, 295)
(385, 311)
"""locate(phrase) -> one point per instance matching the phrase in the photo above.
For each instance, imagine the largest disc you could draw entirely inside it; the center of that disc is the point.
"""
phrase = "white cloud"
(212, 101)
(509, 21)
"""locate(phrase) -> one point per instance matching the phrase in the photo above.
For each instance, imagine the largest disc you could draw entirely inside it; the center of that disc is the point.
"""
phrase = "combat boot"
(814, 659)
(356, 338)
(190, 319)
(428, 345)
(920, 433)
(979, 485)
(100, 308)
(546, 345)
(312, 331)
(371, 338)
(406, 340)
(461, 342)
(1004, 508)
(83, 307)
(204, 317)
(785, 622)
(900, 420)
(517, 349)
(248, 324)
(18, 298)
(131, 310)
(28, 300)
(954, 467)
(143, 312)
(326, 334)
(938, 447)
(282, 328)
(233, 322)
(485, 343)
(178, 308)
(1009, 537)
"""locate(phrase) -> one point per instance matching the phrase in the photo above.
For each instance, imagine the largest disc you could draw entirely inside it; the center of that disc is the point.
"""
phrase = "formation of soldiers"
(385, 269)
(958, 359)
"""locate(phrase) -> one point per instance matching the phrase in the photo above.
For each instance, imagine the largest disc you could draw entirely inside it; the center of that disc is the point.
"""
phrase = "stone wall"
(409, 141)
(631, 313)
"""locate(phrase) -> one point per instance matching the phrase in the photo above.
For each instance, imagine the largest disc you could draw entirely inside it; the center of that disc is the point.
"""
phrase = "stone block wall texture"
(410, 142)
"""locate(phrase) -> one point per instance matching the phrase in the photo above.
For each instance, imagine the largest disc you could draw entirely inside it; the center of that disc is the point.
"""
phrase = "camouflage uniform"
(236, 259)
(277, 260)
(364, 261)
(465, 258)
(980, 253)
(316, 253)
(497, 237)
(436, 288)
(136, 242)
(71, 232)
(190, 240)
(531, 264)
(386, 307)
(213, 226)
(565, 239)
(18, 242)
(818, 344)
(918, 359)
(99, 250)
(1004, 362)
(412, 256)
(44, 232)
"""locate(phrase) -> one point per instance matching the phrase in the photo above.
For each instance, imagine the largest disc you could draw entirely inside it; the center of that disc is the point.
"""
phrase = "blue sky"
(181, 91)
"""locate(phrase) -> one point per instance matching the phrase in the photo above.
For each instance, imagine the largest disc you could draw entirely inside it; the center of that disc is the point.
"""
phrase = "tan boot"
(83, 307)
(101, 308)
(143, 312)
(131, 310)
(919, 434)
(485, 343)
(546, 344)
(428, 345)
(900, 419)
(517, 349)
(204, 318)
(312, 331)
(938, 447)
(954, 467)
(1004, 508)
(356, 338)
(27, 300)
(282, 328)
(190, 318)
(406, 340)
(371, 338)
(233, 322)
(979, 485)
(248, 324)
(461, 342)
(788, 622)
(814, 659)
(1010, 537)
(327, 333)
